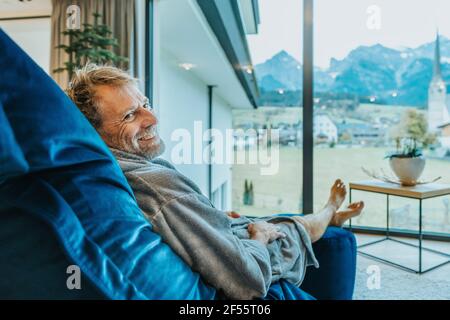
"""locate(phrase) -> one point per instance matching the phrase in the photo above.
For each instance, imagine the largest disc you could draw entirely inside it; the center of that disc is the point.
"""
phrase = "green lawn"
(282, 192)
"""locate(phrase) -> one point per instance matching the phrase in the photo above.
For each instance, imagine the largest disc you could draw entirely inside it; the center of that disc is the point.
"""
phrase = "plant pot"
(407, 170)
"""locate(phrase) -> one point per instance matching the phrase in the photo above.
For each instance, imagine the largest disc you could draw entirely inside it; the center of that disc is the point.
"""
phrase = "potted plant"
(407, 162)
(94, 43)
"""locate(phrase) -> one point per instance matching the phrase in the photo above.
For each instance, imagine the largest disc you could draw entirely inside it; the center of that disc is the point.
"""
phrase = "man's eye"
(129, 117)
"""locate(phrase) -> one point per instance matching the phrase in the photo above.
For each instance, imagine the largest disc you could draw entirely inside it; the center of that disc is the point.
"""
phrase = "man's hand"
(233, 214)
(265, 232)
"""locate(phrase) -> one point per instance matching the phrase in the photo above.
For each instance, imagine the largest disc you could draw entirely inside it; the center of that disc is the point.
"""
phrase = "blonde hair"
(83, 83)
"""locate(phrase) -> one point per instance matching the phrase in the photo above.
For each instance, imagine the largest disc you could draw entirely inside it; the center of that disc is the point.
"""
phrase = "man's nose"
(149, 118)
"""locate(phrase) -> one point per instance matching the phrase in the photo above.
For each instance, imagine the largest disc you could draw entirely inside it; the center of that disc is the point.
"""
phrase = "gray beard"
(150, 155)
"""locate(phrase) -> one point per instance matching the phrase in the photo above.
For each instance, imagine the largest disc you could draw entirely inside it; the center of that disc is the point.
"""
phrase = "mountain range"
(397, 77)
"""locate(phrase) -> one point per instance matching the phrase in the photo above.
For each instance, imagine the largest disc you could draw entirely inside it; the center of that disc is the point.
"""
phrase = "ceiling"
(185, 33)
(16, 8)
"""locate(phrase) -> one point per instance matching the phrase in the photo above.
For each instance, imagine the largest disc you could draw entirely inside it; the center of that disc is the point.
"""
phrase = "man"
(239, 256)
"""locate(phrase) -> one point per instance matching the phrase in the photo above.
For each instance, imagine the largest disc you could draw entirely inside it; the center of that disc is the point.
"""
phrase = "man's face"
(128, 122)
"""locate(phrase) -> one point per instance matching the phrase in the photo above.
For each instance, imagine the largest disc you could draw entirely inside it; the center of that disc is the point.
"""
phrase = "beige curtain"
(119, 15)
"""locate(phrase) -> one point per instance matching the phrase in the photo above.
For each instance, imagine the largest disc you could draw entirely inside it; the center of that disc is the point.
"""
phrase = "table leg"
(387, 216)
(350, 201)
(420, 236)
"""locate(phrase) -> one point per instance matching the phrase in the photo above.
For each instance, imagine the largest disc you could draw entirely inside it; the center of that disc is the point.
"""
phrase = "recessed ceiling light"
(247, 68)
(186, 66)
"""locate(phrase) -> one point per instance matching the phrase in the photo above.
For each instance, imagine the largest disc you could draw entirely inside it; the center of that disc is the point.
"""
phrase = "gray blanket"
(211, 243)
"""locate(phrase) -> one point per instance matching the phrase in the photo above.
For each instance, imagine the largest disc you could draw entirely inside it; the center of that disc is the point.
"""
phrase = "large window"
(276, 52)
(375, 83)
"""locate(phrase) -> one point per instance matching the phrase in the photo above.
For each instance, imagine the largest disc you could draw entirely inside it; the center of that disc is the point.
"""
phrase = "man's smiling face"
(128, 121)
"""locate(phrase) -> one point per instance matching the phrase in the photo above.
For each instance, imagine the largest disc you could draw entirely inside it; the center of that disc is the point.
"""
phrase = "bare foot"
(353, 210)
(337, 195)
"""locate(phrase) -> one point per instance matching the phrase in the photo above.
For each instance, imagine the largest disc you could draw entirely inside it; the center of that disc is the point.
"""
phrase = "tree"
(414, 125)
(345, 137)
(251, 195)
(246, 193)
(92, 44)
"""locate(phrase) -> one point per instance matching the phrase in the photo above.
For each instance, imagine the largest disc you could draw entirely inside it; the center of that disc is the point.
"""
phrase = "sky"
(343, 25)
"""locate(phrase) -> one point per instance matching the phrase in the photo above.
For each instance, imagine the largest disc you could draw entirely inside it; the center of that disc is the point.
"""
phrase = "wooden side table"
(419, 192)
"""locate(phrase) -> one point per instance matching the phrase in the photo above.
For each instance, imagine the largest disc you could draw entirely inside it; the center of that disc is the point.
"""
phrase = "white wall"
(16, 8)
(182, 100)
(222, 120)
(33, 36)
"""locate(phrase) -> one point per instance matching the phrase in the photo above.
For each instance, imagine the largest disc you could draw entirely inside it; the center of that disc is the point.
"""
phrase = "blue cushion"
(12, 161)
(44, 275)
(335, 279)
(283, 290)
(74, 185)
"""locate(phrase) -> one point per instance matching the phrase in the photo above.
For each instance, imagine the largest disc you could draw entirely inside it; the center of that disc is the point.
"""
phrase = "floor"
(376, 280)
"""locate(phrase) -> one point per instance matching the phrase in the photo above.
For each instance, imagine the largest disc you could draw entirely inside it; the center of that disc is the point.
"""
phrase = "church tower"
(437, 92)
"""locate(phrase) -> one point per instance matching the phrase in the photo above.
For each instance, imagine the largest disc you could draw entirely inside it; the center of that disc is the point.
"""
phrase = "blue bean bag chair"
(65, 204)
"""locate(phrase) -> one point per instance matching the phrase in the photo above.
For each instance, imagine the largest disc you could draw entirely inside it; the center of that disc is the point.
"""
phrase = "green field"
(282, 192)
(292, 115)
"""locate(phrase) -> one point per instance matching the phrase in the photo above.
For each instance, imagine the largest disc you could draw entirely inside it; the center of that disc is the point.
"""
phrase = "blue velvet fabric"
(335, 279)
(64, 200)
(283, 290)
(33, 263)
(12, 161)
